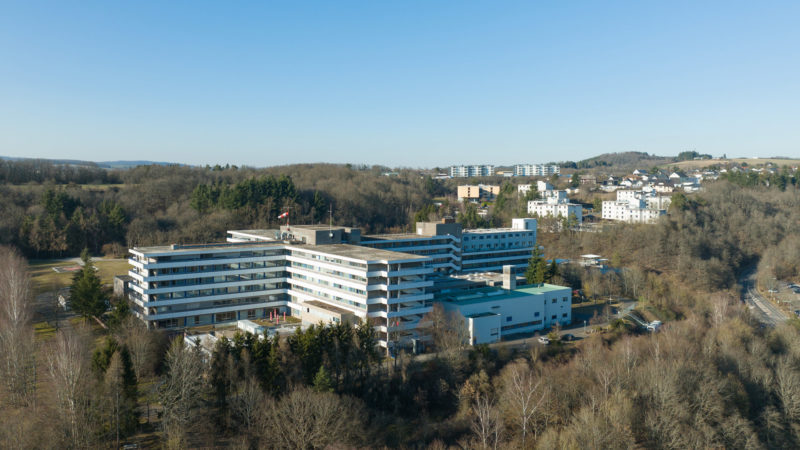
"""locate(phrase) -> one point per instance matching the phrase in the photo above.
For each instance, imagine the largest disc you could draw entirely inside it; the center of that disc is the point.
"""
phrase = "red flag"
(286, 214)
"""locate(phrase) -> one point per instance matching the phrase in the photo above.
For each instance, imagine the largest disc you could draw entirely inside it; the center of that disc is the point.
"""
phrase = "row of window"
(232, 254)
(497, 236)
(499, 245)
(329, 284)
(217, 279)
(215, 268)
(521, 325)
(325, 295)
(327, 271)
(218, 291)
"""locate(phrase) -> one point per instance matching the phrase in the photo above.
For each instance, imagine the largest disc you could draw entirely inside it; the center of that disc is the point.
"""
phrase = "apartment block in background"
(478, 193)
(484, 170)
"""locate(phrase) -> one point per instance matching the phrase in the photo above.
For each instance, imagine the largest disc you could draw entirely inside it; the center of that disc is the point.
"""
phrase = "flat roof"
(495, 230)
(262, 233)
(327, 307)
(177, 248)
(317, 227)
(493, 294)
(360, 253)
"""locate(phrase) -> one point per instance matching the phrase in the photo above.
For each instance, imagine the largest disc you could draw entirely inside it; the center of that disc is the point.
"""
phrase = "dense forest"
(712, 378)
(53, 211)
(56, 211)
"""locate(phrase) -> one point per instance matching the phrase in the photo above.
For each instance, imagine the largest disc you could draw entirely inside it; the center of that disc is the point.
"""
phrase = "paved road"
(762, 309)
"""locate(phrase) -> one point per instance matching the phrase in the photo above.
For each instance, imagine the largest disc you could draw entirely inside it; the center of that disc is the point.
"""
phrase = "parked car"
(544, 340)
(568, 337)
(773, 291)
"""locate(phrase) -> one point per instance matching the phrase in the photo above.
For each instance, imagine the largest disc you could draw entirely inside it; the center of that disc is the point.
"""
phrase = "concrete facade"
(481, 192)
(188, 285)
(494, 313)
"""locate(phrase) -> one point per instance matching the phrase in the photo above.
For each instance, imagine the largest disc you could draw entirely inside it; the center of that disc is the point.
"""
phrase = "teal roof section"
(493, 294)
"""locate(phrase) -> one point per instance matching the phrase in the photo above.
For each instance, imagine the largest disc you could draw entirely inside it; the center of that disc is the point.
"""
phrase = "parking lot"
(787, 295)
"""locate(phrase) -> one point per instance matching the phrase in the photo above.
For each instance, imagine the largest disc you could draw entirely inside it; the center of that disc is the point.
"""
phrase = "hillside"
(101, 164)
(624, 160)
(753, 162)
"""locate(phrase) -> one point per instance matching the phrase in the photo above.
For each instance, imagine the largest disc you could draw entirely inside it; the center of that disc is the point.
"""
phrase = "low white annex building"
(493, 313)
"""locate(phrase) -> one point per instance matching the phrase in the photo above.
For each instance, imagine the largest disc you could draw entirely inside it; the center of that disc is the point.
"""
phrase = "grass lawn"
(45, 279)
(43, 330)
(109, 268)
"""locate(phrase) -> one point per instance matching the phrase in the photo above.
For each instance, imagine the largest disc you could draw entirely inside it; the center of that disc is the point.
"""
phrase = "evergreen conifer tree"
(86, 295)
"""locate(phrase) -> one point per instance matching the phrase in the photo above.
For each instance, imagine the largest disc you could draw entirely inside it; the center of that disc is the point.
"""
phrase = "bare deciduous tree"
(247, 405)
(486, 422)
(521, 396)
(16, 334)
(142, 346)
(448, 329)
(68, 367)
(180, 391)
(788, 388)
(307, 419)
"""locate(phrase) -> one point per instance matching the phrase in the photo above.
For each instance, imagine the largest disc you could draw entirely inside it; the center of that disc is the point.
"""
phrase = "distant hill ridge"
(101, 164)
(640, 160)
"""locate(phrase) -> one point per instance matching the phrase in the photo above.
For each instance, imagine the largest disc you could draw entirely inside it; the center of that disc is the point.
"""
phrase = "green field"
(45, 279)
(753, 162)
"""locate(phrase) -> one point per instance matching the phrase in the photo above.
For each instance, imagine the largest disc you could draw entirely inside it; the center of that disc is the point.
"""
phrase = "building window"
(553, 318)
(564, 315)
(536, 314)
(508, 319)
(554, 300)
(565, 299)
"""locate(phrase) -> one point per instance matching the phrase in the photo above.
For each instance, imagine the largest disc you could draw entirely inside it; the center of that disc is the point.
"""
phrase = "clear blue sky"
(403, 83)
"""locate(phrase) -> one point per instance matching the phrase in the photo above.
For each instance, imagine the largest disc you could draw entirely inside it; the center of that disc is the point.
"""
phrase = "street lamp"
(584, 327)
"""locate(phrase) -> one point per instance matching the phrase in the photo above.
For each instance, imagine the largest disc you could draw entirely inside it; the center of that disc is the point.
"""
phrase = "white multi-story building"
(556, 207)
(535, 170)
(484, 170)
(635, 207)
(388, 288)
(555, 196)
(632, 213)
(541, 187)
(490, 249)
(187, 285)
(317, 273)
(439, 241)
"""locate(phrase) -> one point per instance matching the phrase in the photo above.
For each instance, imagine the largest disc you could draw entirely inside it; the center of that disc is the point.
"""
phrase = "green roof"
(493, 294)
